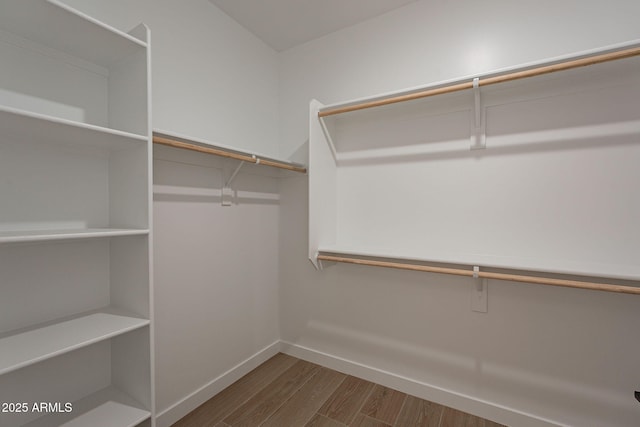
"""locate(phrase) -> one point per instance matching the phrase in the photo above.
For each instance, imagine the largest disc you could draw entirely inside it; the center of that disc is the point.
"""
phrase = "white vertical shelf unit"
(75, 219)
(529, 170)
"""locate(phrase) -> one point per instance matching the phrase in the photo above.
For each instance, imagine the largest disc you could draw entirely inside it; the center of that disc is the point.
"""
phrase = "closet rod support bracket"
(478, 133)
(328, 138)
(235, 172)
(479, 294)
(227, 196)
(227, 192)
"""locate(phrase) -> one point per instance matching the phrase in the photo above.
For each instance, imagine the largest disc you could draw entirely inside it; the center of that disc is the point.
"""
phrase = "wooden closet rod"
(607, 287)
(228, 154)
(560, 66)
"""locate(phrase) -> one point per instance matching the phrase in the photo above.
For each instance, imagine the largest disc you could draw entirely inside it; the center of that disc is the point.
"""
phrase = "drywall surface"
(215, 268)
(541, 355)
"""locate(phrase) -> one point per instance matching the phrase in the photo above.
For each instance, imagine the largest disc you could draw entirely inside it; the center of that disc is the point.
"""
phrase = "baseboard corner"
(175, 412)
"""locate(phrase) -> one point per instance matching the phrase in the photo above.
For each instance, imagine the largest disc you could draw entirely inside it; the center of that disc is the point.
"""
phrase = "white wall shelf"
(400, 180)
(53, 24)
(46, 235)
(27, 348)
(75, 218)
(98, 78)
(24, 125)
(107, 408)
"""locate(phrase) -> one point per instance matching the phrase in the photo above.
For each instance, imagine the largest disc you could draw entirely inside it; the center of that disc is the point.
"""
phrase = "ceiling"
(283, 24)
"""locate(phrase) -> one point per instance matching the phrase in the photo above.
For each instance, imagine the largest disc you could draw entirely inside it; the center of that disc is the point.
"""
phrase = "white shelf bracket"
(319, 265)
(227, 192)
(478, 135)
(327, 136)
(322, 264)
(233, 175)
(480, 292)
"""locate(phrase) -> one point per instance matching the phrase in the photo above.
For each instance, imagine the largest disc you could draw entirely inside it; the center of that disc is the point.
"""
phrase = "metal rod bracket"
(227, 192)
(479, 295)
(227, 196)
(233, 175)
(328, 138)
(478, 133)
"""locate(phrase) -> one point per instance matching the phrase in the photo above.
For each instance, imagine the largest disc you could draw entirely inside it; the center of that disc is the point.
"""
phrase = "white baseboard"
(470, 404)
(484, 409)
(181, 408)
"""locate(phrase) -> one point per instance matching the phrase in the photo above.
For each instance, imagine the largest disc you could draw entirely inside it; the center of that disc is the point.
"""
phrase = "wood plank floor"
(289, 392)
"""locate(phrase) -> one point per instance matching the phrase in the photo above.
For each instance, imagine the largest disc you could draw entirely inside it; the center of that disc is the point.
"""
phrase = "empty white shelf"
(106, 408)
(24, 349)
(110, 414)
(53, 24)
(19, 125)
(85, 233)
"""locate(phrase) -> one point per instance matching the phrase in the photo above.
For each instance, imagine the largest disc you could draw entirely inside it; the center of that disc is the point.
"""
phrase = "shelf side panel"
(322, 187)
(129, 187)
(128, 109)
(129, 274)
(131, 365)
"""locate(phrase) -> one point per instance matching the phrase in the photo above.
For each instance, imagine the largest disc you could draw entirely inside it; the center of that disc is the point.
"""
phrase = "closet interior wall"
(532, 352)
(216, 268)
(540, 355)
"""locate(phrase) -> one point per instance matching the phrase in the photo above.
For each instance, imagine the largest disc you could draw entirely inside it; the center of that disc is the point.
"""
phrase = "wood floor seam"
(364, 402)
(343, 380)
(384, 404)
(404, 402)
(257, 409)
(440, 420)
(328, 420)
(290, 397)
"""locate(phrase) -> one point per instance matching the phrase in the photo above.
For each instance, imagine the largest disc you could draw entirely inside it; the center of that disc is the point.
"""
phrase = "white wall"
(555, 354)
(533, 352)
(216, 274)
(216, 269)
